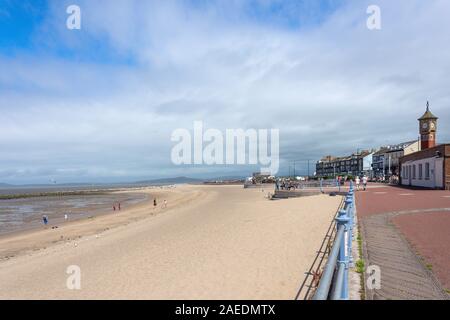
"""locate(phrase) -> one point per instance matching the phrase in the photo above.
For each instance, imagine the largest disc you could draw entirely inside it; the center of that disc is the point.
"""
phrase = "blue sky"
(100, 103)
(18, 20)
(23, 21)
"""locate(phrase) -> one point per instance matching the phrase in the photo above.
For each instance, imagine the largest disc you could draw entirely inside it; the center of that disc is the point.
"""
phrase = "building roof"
(382, 150)
(428, 115)
(362, 154)
(395, 147)
(400, 146)
(428, 153)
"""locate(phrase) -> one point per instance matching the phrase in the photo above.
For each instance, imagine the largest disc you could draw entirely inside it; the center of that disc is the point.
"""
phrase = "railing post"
(343, 220)
(351, 195)
(349, 208)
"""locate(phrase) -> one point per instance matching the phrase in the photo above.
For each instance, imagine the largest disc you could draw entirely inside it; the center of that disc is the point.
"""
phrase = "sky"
(99, 104)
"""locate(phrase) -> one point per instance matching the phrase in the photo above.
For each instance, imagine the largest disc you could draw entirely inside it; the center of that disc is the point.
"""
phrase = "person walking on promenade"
(357, 181)
(114, 207)
(364, 181)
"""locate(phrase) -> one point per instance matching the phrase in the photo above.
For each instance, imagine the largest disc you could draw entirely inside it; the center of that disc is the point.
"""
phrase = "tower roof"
(428, 114)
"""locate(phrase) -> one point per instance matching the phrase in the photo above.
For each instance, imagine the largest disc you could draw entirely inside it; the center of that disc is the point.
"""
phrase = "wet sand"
(34, 238)
(26, 213)
(211, 242)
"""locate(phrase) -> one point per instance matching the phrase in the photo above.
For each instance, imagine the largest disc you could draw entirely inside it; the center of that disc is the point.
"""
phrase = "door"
(439, 173)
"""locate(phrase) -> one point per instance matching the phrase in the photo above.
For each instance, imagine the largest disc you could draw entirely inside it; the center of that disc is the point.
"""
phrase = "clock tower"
(427, 127)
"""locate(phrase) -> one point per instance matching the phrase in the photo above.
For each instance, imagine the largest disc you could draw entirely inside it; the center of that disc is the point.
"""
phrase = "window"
(427, 171)
(414, 172)
(420, 171)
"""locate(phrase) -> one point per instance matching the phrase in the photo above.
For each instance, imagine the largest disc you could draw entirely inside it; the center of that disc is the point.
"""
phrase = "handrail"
(335, 274)
(337, 290)
(327, 276)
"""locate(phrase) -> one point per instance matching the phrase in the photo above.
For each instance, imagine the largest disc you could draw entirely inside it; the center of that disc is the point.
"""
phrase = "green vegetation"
(429, 266)
(359, 240)
(360, 266)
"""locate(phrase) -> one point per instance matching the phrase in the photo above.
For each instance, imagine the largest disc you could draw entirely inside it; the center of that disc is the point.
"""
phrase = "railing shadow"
(311, 281)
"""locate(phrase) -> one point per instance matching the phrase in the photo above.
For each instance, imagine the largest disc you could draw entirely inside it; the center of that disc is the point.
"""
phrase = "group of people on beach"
(286, 184)
(45, 219)
(118, 207)
(155, 203)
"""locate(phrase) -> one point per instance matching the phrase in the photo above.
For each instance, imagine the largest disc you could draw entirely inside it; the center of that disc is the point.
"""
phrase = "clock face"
(425, 125)
(432, 125)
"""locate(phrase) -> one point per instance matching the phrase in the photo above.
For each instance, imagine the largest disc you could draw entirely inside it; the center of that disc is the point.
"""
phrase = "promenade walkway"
(406, 233)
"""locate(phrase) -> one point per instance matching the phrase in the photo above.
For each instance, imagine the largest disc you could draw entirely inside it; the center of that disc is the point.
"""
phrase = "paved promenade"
(406, 233)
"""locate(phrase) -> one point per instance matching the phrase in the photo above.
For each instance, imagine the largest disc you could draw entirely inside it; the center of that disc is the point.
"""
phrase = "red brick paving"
(375, 201)
(429, 233)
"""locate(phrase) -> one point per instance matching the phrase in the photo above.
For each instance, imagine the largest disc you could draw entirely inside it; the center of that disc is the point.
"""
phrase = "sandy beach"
(211, 242)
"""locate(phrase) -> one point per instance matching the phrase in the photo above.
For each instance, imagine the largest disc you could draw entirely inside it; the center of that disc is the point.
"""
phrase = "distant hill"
(2, 185)
(171, 181)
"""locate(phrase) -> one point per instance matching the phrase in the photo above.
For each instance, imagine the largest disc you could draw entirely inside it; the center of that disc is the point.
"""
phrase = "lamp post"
(294, 169)
(308, 168)
(389, 162)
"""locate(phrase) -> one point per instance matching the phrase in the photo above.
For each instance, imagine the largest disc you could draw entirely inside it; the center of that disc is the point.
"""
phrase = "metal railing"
(334, 281)
(312, 184)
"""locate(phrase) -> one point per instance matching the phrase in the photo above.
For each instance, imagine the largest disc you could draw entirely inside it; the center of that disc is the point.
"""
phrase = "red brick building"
(429, 167)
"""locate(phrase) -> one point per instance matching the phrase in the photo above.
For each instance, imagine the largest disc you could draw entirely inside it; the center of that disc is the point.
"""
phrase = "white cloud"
(329, 88)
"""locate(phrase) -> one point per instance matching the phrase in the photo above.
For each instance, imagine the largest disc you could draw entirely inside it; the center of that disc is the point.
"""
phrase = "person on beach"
(364, 181)
(119, 206)
(114, 208)
(66, 217)
(154, 202)
(45, 219)
(165, 203)
(357, 181)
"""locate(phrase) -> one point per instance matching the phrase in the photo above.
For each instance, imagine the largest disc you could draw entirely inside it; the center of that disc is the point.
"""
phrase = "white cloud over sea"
(100, 104)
